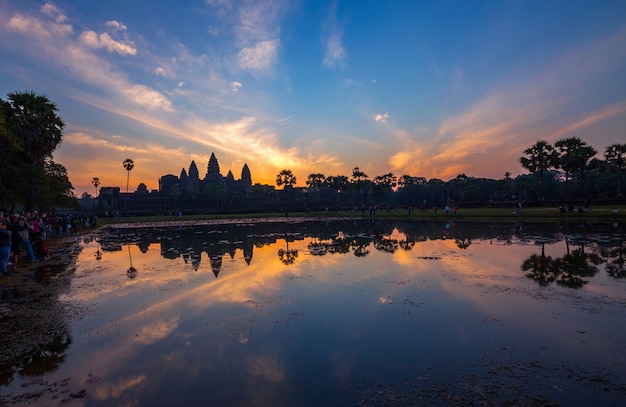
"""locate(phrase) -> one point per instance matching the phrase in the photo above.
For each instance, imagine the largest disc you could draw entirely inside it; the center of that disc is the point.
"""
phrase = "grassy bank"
(599, 213)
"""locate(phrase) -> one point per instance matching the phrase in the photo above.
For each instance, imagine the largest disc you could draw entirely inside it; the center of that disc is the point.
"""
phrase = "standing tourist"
(16, 239)
(5, 245)
(26, 227)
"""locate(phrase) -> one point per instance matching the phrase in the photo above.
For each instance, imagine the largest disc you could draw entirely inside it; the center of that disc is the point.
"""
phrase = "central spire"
(213, 169)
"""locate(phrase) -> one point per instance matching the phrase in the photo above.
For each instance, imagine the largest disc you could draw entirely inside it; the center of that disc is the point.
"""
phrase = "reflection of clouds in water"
(266, 367)
(246, 311)
(114, 391)
(156, 331)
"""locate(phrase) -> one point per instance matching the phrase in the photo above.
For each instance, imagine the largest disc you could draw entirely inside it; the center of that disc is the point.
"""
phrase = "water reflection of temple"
(584, 252)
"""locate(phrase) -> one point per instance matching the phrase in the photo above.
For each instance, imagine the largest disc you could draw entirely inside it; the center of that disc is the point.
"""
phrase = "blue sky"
(423, 88)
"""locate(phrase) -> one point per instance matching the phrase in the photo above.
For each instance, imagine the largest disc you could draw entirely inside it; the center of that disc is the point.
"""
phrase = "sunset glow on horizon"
(428, 89)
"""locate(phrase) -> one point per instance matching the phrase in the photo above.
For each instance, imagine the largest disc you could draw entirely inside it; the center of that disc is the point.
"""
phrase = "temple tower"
(213, 169)
(246, 178)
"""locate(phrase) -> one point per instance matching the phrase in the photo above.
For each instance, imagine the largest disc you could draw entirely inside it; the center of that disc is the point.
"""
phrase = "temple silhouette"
(189, 181)
(187, 193)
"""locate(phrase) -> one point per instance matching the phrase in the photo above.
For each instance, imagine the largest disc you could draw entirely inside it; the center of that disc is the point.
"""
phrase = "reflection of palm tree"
(359, 247)
(287, 257)
(542, 268)
(463, 242)
(616, 267)
(406, 244)
(341, 244)
(386, 244)
(46, 358)
(131, 272)
(574, 268)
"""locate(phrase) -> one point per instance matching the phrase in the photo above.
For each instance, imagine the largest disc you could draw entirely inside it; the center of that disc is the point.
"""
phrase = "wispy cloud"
(258, 57)
(104, 40)
(332, 36)
(116, 25)
(53, 11)
(334, 54)
(590, 119)
(54, 42)
(258, 34)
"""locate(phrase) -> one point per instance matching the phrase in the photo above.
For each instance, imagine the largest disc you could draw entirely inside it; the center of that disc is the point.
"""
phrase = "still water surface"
(294, 313)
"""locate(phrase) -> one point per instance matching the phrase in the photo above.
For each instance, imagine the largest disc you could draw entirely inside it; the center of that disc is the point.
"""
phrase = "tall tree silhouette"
(574, 156)
(286, 178)
(539, 158)
(95, 181)
(39, 129)
(615, 155)
(129, 165)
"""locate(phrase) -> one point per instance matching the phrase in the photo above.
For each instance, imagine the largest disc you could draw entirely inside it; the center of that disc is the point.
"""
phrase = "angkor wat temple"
(188, 193)
(189, 182)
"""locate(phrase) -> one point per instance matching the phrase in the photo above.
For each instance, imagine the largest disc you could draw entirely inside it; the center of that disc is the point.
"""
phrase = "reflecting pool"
(289, 312)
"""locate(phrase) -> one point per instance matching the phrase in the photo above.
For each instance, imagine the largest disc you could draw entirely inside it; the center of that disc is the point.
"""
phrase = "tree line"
(565, 172)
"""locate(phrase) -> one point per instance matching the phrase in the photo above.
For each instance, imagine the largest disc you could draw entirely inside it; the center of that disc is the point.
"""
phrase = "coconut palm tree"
(129, 165)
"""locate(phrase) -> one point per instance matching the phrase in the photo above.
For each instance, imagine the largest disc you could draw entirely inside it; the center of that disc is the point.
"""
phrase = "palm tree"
(383, 183)
(615, 155)
(574, 156)
(337, 183)
(129, 165)
(286, 178)
(96, 183)
(315, 180)
(358, 176)
(358, 181)
(539, 158)
(39, 128)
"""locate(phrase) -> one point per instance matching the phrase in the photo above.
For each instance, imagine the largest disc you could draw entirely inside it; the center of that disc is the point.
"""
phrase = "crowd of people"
(23, 235)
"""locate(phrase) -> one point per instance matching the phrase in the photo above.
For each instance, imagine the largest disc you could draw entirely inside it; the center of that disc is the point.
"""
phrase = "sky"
(430, 89)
